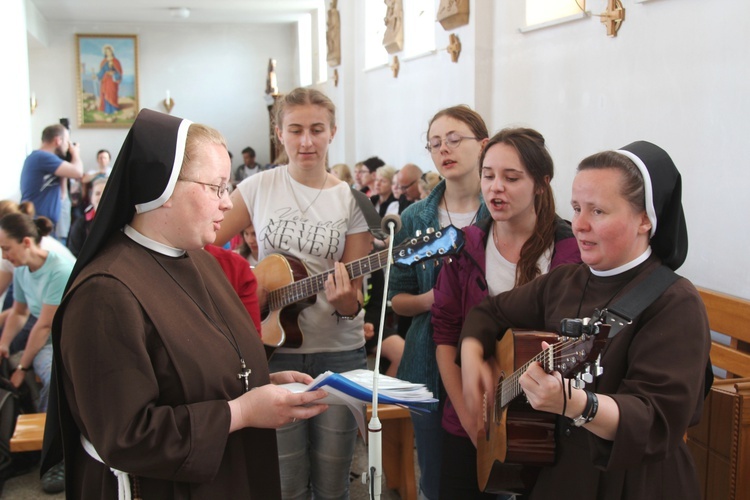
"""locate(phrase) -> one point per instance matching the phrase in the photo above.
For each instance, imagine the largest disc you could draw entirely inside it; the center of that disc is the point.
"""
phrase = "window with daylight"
(419, 26)
(419, 31)
(541, 13)
(375, 53)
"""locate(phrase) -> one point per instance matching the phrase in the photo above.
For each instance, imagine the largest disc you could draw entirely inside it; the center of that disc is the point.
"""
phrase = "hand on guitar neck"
(286, 286)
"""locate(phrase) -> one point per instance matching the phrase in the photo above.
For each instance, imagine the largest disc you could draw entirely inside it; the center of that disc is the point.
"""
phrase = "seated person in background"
(521, 239)
(249, 246)
(622, 437)
(38, 283)
(249, 166)
(7, 269)
(382, 197)
(82, 226)
(342, 171)
(427, 183)
(408, 178)
(366, 171)
(102, 169)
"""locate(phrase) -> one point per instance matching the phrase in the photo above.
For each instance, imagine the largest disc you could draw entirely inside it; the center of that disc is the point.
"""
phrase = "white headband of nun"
(179, 155)
(649, 191)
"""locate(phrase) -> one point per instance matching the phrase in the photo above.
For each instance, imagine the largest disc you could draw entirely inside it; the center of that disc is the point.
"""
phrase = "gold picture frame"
(107, 89)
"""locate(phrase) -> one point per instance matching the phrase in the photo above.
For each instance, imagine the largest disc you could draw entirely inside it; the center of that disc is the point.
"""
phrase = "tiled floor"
(27, 487)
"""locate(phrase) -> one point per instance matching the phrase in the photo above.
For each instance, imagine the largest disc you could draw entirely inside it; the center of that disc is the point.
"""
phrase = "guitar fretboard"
(307, 287)
(509, 388)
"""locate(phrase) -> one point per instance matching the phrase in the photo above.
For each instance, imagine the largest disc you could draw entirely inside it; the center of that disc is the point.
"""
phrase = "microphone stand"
(374, 473)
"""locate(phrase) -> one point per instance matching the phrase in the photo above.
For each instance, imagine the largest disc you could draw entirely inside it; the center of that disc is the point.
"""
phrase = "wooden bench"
(720, 444)
(29, 432)
(398, 449)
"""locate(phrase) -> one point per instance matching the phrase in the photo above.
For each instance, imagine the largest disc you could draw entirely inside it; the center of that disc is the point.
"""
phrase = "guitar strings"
(311, 285)
(509, 388)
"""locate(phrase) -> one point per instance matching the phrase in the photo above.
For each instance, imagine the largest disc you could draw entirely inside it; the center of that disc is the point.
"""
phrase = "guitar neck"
(507, 390)
(312, 285)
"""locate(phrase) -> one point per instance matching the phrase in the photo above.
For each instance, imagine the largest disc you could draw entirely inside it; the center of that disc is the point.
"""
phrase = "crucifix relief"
(393, 39)
(613, 17)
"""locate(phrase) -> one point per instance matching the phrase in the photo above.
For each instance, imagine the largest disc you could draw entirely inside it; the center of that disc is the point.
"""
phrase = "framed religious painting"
(107, 80)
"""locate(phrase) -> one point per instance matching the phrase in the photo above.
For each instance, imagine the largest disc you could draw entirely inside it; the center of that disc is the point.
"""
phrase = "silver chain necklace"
(291, 187)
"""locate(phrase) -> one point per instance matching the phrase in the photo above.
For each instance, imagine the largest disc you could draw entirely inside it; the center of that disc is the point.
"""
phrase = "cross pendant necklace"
(244, 374)
(244, 371)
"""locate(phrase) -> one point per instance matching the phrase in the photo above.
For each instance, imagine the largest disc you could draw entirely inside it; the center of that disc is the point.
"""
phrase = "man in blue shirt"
(45, 169)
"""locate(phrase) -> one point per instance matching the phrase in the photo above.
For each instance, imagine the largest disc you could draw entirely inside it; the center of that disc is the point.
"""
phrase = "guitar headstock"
(573, 355)
(430, 245)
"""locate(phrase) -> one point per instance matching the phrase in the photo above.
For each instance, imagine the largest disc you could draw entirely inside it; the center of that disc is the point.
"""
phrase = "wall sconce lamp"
(613, 17)
(168, 103)
(33, 102)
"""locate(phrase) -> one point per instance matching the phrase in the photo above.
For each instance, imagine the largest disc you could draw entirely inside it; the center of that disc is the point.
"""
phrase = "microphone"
(391, 224)
(391, 220)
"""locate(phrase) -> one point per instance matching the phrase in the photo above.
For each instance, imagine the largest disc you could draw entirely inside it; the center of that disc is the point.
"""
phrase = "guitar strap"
(371, 215)
(625, 310)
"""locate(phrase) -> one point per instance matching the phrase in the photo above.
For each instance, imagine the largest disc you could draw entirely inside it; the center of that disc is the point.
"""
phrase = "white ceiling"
(158, 11)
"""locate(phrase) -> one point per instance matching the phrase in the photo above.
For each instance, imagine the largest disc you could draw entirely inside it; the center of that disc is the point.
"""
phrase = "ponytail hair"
(19, 226)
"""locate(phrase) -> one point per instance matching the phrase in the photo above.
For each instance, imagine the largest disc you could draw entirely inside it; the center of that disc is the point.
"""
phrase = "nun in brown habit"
(620, 437)
(161, 385)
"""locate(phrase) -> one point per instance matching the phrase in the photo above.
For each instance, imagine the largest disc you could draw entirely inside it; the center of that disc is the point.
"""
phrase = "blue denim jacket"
(418, 363)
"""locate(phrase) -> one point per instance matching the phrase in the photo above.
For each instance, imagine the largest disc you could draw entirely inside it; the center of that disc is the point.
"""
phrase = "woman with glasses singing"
(308, 215)
(455, 137)
(522, 238)
(154, 381)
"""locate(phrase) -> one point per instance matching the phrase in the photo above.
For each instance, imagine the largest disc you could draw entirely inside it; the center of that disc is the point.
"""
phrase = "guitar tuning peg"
(577, 382)
(430, 230)
(598, 368)
(587, 376)
(418, 233)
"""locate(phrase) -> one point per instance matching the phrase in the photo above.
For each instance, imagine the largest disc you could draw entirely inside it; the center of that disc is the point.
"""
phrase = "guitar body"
(288, 287)
(281, 327)
(515, 436)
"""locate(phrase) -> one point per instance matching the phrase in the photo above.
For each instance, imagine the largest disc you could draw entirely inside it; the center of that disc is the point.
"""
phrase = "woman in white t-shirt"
(301, 211)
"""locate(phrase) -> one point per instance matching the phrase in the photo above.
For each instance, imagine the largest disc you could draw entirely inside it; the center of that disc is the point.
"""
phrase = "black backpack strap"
(371, 215)
(625, 310)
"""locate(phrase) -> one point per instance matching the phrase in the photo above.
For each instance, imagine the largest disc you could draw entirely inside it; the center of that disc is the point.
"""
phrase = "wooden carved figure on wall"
(333, 36)
(393, 39)
(453, 13)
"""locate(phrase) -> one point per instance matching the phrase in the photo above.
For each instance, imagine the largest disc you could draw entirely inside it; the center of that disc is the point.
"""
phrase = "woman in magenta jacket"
(522, 239)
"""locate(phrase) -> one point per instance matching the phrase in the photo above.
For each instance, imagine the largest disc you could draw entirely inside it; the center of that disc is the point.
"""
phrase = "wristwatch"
(21, 367)
(348, 317)
(589, 412)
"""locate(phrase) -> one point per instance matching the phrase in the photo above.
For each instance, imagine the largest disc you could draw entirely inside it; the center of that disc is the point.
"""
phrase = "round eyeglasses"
(452, 141)
(221, 189)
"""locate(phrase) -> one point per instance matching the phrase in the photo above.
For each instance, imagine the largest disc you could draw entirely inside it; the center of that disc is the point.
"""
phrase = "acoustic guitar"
(517, 438)
(291, 288)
